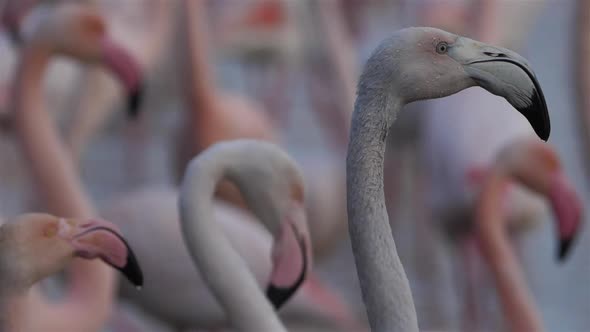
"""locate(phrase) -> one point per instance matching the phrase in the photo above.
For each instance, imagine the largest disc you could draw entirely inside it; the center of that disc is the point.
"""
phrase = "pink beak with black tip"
(290, 258)
(568, 213)
(124, 66)
(102, 239)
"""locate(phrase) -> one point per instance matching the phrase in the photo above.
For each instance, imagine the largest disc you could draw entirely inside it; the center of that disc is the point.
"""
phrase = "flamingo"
(91, 286)
(415, 64)
(35, 246)
(215, 116)
(546, 178)
(210, 109)
(144, 28)
(95, 91)
(272, 186)
(166, 262)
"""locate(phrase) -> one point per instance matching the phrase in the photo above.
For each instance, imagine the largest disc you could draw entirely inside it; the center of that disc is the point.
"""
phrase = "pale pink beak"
(124, 66)
(568, 212)
(102, 239)
(291, 258)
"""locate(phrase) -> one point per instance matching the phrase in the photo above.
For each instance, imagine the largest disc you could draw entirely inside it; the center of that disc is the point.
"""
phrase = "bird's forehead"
(427, 39)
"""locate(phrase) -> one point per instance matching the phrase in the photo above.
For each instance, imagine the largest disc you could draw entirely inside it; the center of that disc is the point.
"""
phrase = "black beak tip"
(538, 116)
(132, 270)
(544, 133)
(278, 296)
(565, 244)
(537, 113)
(134, 102)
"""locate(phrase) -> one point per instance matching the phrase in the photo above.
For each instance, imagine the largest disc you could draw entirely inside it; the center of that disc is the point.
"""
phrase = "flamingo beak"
(506, 74)
(102, 239)
(124, 66)
(568, 213)
(564, 248)
(290, 258)
(527, 97)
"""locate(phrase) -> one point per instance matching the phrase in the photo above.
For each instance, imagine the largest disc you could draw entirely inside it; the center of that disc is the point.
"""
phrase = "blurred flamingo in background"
(514, 163)
(94, 90)
(144, 27)
(466, 137)
(212, 115)
(76, 31)
(272, 185)
(151, 212)
(183, 300)
(213, 118)
(35, 246)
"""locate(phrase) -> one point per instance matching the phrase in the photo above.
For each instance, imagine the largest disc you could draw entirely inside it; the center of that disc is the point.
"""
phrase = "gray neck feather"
(385, 287)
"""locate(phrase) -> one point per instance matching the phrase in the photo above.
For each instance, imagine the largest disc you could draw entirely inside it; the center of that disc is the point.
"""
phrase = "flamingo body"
(183, 299)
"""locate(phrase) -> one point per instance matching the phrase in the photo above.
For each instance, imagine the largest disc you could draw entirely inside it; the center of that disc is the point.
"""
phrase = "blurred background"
(286, 71)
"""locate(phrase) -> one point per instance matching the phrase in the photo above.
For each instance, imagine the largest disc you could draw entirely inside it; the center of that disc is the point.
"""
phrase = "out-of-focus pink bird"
(184, 300)
(35, 246)
(536, 166)
(77, 31)
(215, 116)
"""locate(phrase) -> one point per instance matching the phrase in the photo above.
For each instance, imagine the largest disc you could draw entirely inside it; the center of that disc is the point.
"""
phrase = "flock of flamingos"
(234, 246)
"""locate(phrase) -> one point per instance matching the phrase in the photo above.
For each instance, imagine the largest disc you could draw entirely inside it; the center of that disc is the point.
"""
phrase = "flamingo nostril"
(495, 54)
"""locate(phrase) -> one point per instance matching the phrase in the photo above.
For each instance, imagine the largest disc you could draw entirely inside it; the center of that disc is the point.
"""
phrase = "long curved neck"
(92, 283)
(517, 303)
(221, 267)
(50, 164)
(385, 287)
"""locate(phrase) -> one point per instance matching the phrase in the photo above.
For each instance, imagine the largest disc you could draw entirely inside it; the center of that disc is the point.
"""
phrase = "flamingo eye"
(442, 47)
(50, 231)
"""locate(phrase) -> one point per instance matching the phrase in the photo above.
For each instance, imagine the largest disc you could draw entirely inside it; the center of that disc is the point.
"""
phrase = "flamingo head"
(426, 63)
(537, 165)
(77, 30)
(34, 246)
(272, 186)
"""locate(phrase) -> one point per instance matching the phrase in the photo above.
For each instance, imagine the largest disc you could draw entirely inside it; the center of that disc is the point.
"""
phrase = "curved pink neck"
(92, 284)
(517, 303)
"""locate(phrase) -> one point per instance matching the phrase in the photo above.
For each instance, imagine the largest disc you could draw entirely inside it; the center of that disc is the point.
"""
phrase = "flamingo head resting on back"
(444, 64)
(78, 30)
(37, 245)
(273, 189)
